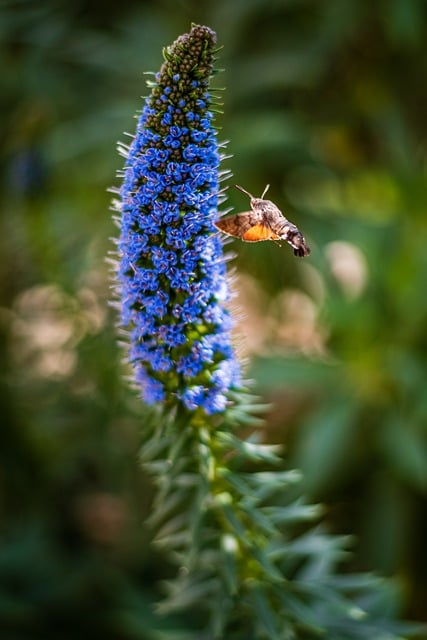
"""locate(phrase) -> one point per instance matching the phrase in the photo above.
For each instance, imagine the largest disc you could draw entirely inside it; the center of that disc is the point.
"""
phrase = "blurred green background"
(326, 101)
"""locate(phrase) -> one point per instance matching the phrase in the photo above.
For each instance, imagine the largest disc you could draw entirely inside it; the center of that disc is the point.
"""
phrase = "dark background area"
(326, 101)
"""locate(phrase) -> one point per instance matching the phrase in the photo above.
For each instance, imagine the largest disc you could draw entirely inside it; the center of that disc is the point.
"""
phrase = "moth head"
(259, 203)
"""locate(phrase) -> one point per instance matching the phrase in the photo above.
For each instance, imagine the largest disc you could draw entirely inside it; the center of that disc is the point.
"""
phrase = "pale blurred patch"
(252, 324)
(297, 327)
(348, 266)
(48, 323)
(287, 322)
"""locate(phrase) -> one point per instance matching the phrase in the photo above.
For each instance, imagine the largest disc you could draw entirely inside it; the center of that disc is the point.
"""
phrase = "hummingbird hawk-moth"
(264, 222)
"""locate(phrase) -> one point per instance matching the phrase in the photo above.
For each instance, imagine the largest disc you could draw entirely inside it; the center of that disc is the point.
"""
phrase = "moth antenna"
(265, 191)
(244, 191)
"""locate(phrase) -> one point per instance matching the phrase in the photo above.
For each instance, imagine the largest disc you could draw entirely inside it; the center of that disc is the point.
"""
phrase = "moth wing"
(259, 232)
(239, 224)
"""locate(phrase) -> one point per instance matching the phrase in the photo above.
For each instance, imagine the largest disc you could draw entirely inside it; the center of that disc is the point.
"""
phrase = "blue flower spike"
(171, 274)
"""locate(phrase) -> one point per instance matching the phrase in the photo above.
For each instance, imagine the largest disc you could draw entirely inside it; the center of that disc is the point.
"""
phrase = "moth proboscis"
(264, 222)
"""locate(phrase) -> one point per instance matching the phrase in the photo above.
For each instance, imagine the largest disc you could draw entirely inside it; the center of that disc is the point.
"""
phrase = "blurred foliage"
(326, 102)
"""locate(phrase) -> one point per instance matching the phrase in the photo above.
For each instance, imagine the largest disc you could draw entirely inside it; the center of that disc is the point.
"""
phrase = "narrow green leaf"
(174, 542)
(172, 526)
(318, 543)
(165, 507)
(236, 480)
(265, 484)
(265, 615)
(180, 444)
(258, 518)
(187, 593)
(271, 570)
(152, 448)
(250, 450)
(302, 613)
(234, 522)
(295, 512)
